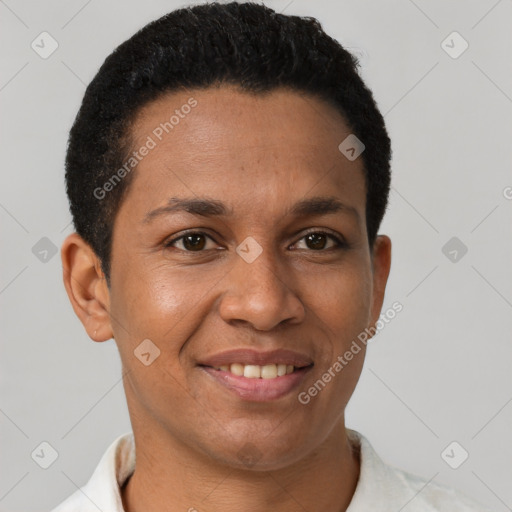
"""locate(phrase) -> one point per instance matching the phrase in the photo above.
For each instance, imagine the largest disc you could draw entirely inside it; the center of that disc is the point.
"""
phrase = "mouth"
(258, 376)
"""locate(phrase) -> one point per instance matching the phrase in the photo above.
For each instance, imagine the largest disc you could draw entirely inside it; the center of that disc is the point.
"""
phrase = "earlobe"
(86, 287)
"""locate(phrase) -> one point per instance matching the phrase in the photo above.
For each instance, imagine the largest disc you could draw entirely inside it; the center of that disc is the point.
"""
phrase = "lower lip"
(258, 390)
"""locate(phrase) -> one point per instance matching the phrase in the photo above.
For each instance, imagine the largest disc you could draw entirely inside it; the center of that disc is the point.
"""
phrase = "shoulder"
(427, 495)
(388, 489)
(76, 502)
(102, 491)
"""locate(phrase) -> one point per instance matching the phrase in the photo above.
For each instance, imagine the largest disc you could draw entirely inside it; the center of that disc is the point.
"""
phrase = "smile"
(257, 376)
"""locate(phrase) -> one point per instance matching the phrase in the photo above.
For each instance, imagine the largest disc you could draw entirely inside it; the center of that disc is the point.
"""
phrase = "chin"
(258, 451)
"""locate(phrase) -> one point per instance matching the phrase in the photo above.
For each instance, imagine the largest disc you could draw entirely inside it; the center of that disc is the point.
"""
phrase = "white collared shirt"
(380, 487)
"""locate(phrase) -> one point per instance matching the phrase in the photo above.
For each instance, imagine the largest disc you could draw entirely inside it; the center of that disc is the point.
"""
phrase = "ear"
(381, 264)
(86, 287)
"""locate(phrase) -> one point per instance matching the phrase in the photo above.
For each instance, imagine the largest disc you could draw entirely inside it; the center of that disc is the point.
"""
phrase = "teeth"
(237, 369)
(269, 371)
(253, 371)
(281, 370)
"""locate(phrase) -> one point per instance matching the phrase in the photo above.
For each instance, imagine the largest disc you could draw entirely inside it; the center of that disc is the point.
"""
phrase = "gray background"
(439, 372)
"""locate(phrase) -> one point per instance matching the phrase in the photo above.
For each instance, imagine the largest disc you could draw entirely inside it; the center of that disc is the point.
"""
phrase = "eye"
(194, 241)
(318, 241)
(197, 241)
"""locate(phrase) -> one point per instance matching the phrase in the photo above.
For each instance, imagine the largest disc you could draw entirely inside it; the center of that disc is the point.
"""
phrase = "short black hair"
(202, 46)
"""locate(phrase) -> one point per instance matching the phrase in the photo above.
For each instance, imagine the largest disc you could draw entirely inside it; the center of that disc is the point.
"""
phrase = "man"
(228, 172)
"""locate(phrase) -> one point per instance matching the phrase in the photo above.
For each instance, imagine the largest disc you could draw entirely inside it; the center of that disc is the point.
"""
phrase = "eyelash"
(340, 243)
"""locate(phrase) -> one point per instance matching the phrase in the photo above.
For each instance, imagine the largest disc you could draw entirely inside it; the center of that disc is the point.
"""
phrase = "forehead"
(226, 113)
(225, 142)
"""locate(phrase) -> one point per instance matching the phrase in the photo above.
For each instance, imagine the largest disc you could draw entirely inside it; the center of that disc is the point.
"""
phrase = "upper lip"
(255, 357)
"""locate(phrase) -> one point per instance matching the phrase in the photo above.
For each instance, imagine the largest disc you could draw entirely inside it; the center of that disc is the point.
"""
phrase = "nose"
(260, 294)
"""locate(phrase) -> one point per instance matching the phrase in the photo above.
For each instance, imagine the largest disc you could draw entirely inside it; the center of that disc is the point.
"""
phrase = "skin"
(259, 155)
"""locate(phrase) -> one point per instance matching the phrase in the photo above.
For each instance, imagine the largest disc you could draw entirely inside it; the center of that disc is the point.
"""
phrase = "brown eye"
(318, 241)
(191, 242)
(194, 242)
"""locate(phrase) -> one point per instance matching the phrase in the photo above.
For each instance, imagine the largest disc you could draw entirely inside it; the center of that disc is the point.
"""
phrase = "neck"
(323, 480)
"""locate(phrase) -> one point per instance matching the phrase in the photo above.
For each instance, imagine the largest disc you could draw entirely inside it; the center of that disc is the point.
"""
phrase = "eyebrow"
(320, 206)
(313, 206)
(203, 207)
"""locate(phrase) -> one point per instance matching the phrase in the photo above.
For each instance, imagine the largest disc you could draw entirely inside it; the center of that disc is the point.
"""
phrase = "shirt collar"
(376, 488)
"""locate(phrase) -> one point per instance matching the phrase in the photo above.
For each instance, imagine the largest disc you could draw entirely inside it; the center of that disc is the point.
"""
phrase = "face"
(242, 241)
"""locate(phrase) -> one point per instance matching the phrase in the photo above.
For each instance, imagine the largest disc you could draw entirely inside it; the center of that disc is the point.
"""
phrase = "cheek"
(155, 301)
(166, 306)
(340, 305)
(163, 307)
(341, 299)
